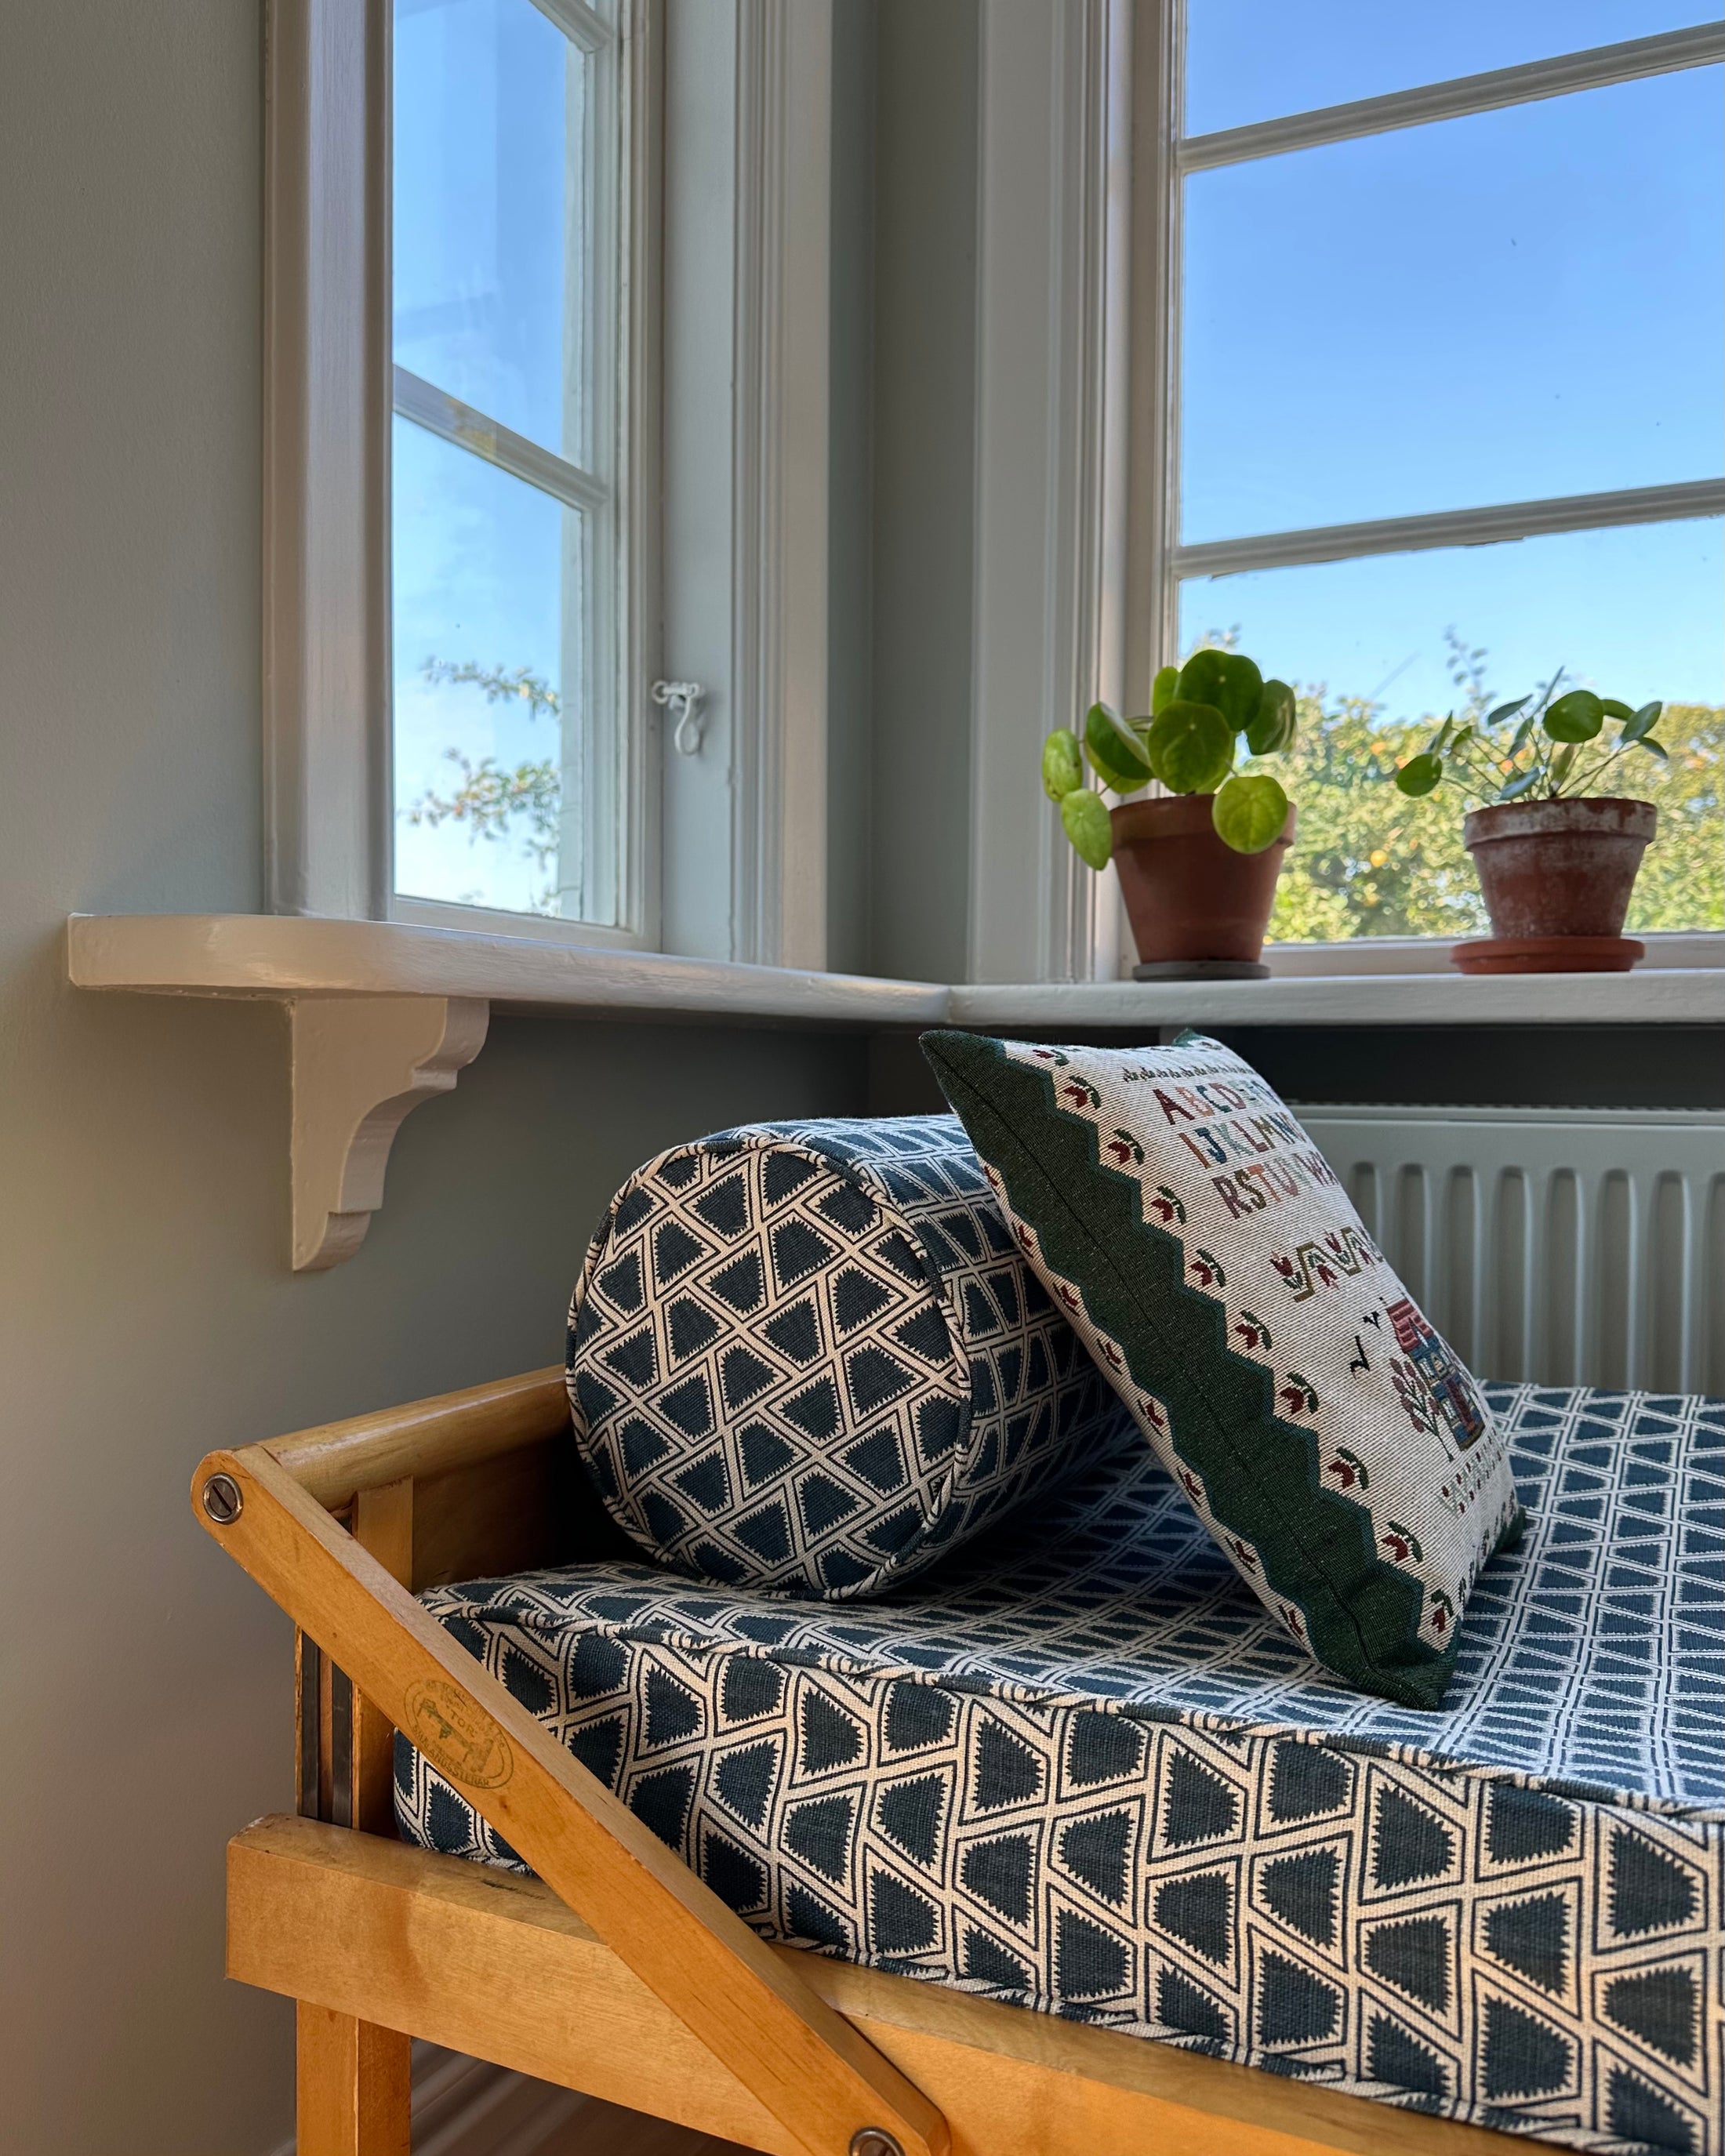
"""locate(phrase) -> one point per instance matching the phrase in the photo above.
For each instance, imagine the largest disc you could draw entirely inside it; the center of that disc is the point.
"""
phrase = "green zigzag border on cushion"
(1362, 1614)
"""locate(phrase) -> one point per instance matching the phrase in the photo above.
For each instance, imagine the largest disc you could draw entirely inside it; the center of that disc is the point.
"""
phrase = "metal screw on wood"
(874, 2141)
(222, 1500)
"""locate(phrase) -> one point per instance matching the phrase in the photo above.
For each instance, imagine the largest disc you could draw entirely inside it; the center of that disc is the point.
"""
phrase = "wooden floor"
(607, 2129)
(463, 2107)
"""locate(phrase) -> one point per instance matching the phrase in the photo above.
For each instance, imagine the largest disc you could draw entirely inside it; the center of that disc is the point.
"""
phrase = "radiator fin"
(1585, 1247)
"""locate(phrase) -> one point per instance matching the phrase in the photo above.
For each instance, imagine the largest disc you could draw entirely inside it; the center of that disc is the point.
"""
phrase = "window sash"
(1159, 563)
(604, 881)
(1593, 68)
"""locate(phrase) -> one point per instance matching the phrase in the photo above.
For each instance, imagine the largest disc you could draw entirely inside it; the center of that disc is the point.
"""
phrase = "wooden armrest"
(335, 1462)
(826, 2085)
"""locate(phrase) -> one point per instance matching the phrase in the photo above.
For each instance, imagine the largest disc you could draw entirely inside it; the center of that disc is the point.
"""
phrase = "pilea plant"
(1542, 759)
(1200, 715)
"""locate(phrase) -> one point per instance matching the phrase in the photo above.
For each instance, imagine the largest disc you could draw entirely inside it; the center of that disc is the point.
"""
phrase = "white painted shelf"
(383, 1014)
(286, 957)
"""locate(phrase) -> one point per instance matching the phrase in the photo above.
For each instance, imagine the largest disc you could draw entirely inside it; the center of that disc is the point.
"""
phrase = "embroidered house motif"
(1459, 1405)
(1210, 1260)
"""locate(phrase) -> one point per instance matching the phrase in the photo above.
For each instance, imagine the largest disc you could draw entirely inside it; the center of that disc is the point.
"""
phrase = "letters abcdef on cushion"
(1332, 1444)
(809, 1357)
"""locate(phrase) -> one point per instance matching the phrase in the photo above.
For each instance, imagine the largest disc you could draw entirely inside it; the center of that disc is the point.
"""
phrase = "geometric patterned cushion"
(1338, 1452)
(808, 1356)
(1080, 1769)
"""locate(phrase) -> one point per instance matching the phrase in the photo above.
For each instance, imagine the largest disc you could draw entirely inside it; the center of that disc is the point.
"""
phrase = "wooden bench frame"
(616, 1971)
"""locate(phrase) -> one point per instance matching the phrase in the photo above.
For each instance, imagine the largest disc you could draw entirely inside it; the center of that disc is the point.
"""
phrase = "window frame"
(1157, 561)
(723, 549)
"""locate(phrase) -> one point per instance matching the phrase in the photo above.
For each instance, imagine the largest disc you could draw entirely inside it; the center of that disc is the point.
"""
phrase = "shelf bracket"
(360, 1064)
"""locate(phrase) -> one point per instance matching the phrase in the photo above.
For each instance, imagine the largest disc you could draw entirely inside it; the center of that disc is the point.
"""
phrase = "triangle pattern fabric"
(809, 1356)
(1080, 1769)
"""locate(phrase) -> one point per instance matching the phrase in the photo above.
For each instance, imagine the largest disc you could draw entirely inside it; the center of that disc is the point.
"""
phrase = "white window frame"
(1158, 562)
(1051, 574)
(722, 556)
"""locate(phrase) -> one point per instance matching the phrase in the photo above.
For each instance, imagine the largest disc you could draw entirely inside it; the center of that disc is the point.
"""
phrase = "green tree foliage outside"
(522, 804)
(1368, 861)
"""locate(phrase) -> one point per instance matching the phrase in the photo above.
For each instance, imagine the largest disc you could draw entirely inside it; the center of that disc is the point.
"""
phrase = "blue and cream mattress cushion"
(1083, 1770)
(809, 1356)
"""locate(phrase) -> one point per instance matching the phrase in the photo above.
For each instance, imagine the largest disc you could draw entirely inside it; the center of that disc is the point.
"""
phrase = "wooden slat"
(353, 2084)
(336, 1460)
(495, 1965)
(502, 1514)
(485, 1963)
(384, 1525)
(803, 2062)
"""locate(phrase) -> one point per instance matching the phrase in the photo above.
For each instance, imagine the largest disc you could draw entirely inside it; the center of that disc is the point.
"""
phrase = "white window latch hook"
(681, 701)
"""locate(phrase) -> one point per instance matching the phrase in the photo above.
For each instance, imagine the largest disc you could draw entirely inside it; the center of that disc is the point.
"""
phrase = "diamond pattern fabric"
(809, 1356)
(1082, 1770)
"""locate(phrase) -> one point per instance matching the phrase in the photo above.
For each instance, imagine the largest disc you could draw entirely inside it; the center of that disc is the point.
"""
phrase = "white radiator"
(1578, 1247)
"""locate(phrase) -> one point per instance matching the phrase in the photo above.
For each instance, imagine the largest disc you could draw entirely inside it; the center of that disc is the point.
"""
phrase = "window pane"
(489, 668)
(1259, 59)
(1499, 308)
(490, 211)
(1382, 647)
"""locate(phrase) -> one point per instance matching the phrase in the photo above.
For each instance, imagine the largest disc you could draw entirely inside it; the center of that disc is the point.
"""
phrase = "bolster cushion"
(809, 1357)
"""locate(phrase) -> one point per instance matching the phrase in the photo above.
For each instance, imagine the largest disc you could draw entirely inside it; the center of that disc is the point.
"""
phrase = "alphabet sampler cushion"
(1331, 1442)
(808, 1357)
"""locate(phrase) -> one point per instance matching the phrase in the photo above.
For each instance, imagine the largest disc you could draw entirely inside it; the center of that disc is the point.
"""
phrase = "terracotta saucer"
(1549, 954)
(1201, 969)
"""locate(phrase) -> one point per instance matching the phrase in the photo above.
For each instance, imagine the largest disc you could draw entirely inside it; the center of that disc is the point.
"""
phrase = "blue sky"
(1258, 59)
(484, 111)
(1517, 304)
(1510, 305)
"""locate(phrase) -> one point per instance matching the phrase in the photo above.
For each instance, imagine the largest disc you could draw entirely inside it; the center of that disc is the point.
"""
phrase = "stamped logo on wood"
(454, 1736)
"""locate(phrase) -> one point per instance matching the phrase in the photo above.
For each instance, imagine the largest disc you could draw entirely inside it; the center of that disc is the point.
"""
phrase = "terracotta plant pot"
(1558, 868)
(1189, 898)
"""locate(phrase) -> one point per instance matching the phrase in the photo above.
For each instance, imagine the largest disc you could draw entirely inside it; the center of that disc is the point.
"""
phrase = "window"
(510, 750)
(547, 290)
(1445, 331)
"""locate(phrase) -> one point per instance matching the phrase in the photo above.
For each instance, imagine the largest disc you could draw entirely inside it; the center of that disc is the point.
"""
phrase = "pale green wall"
(924, 483)
(148, 1314)
(850, 480)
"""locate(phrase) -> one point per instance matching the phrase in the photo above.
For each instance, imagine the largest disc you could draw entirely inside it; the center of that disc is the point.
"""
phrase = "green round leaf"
(1614, 710)
(1117, 754)
(1062, 765)
(1086, 817)
(1576, 717)
(1191, 747)
(1647, 740)
(1504, 711)
(1251, 814)
(1275, 722)
(1200, 678)
(1640, 724)
(1226, 680)
(1164, 688)
(1420, 775)
(1523, 783)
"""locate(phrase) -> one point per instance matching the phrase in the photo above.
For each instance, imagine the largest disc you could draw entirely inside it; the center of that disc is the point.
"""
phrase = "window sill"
(383, 1014)
(287, 958)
